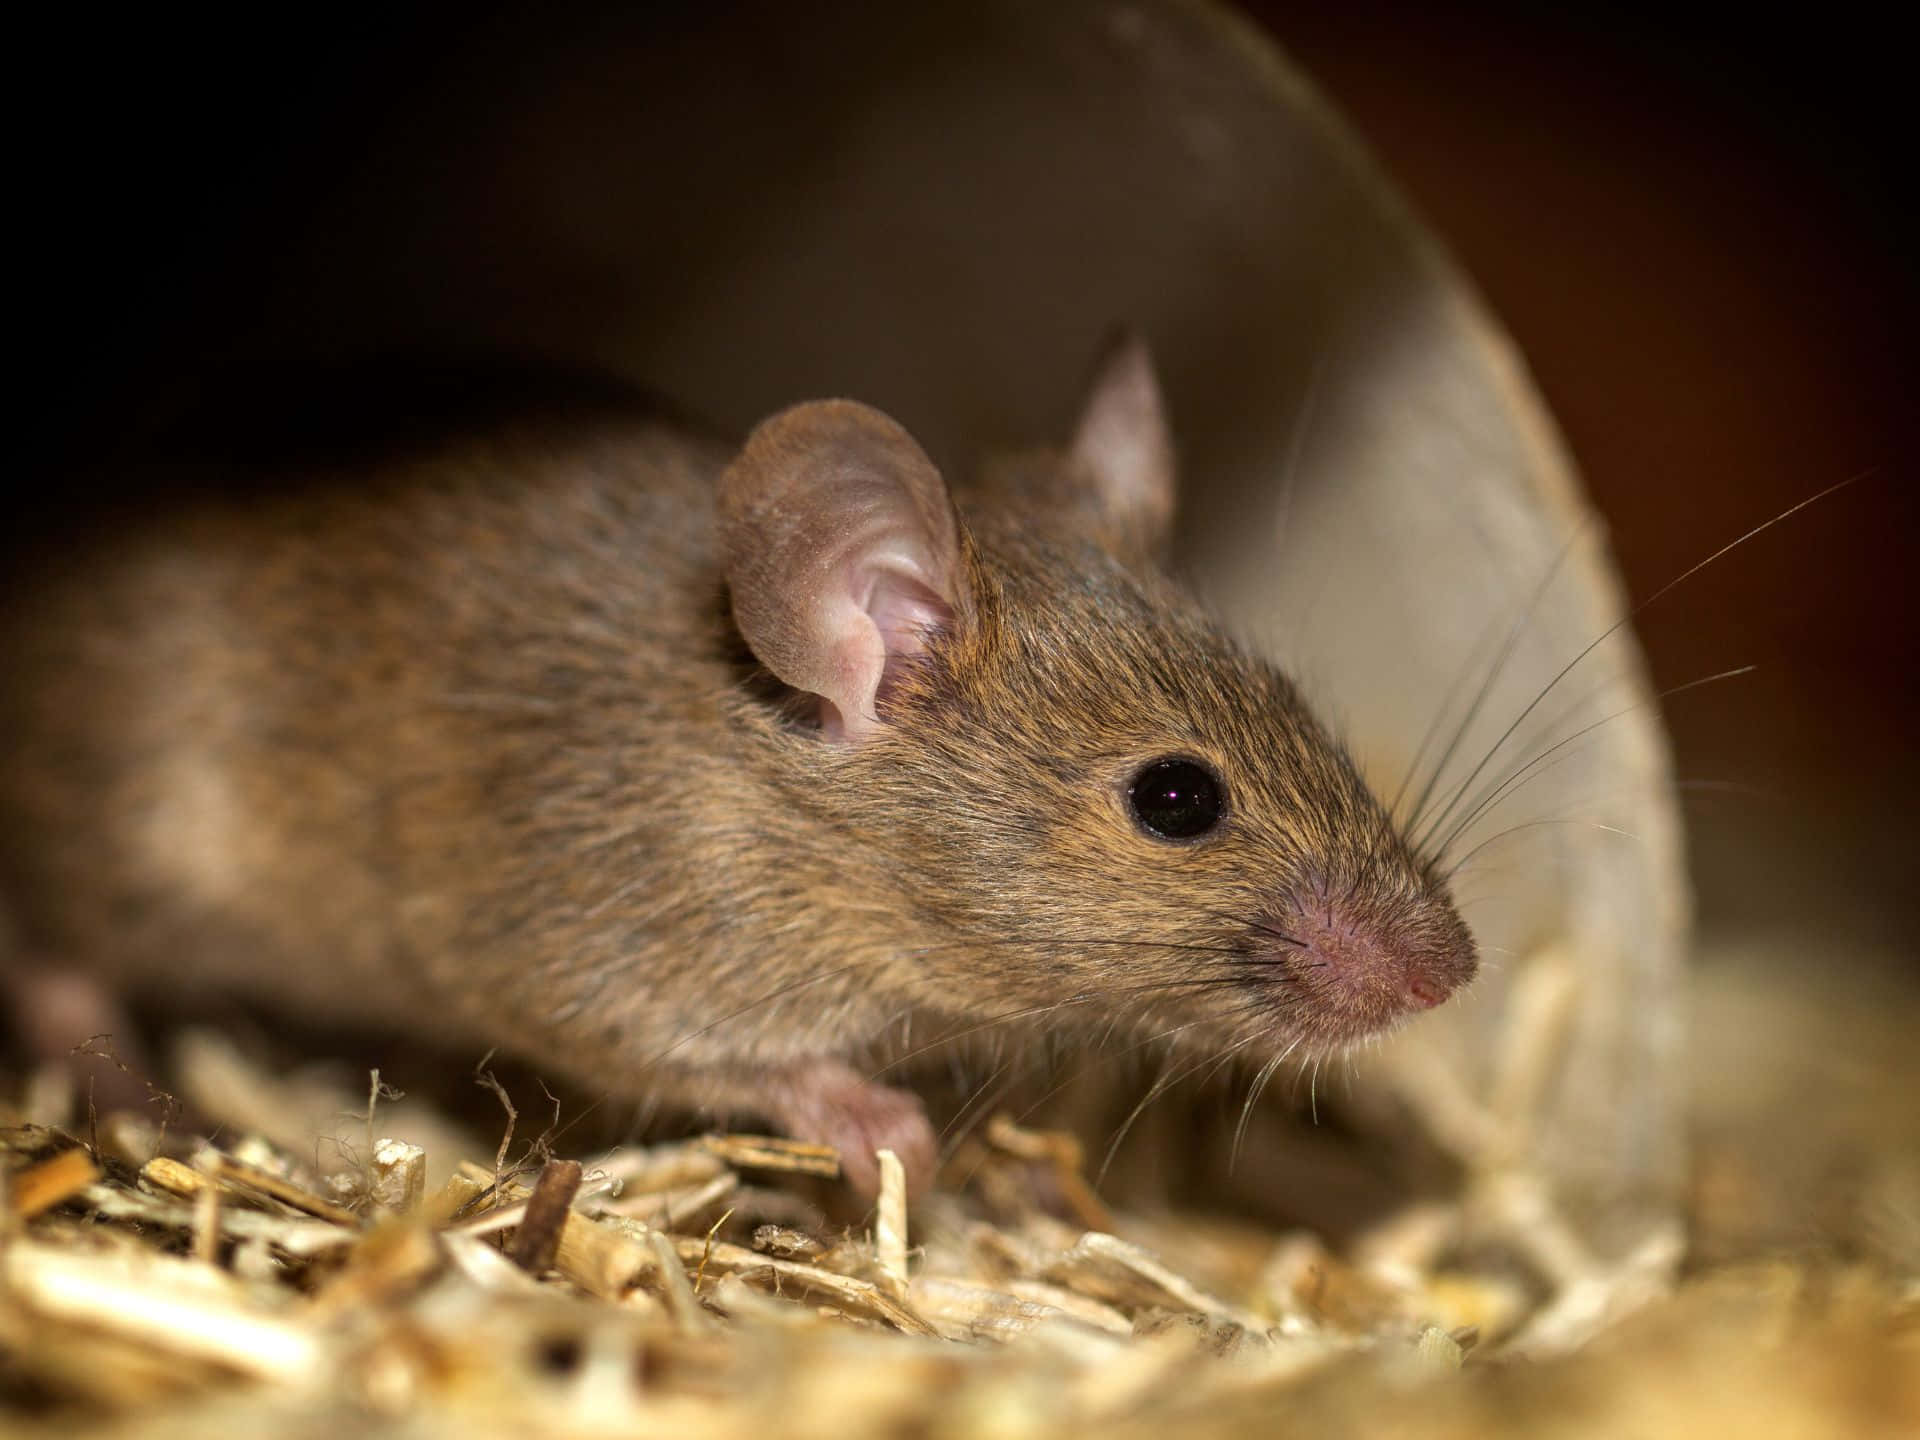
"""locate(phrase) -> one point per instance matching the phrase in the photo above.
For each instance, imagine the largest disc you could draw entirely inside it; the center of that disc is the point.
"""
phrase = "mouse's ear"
(1124, 447)
(842, 553)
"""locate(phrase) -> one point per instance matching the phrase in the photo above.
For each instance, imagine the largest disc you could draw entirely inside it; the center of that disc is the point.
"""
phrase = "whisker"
(1534, 825)
(1270, 931)
(1301, 428)
(1514, 779)
(1159, 1088)
(1518, 628)
(1614, 629)
(1113, 1057)
(954, 1131)
(1188, 946)
(950, 1037)
(1264, 1075)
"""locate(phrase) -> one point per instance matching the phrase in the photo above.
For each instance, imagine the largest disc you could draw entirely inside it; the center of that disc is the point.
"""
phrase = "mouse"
(720, 775)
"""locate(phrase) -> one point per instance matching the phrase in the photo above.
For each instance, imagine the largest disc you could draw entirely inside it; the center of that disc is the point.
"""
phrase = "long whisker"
(950, 1037)
(1005, 942)
(1514, 632)
(1301, 428)
(1260, 925)
(1280, 935)
(1254, 1090)
(1517, 777)
(1469, 666)
(1613, 630)
(1108, 1057)
(1534, 825)
(955, 1130)
(1159, 1088)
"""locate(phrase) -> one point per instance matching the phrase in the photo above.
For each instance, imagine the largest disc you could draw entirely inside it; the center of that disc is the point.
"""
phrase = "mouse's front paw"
(831, 1104)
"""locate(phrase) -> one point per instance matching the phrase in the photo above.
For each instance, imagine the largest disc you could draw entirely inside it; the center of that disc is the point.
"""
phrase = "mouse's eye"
(1177, 799)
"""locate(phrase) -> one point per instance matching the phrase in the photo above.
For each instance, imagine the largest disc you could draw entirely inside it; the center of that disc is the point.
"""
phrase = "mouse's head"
(1054, 757)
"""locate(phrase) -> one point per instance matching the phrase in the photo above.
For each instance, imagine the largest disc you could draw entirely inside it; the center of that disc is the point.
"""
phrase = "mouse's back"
(248, 716)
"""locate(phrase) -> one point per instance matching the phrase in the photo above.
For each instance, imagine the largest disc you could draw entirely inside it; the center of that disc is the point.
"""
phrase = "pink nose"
(1370, 960)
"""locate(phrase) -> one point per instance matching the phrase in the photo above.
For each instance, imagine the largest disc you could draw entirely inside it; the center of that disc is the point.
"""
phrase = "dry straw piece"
(616, 1295)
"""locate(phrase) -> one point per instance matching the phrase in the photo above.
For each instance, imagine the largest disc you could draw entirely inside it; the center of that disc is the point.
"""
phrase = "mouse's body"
(707, 776)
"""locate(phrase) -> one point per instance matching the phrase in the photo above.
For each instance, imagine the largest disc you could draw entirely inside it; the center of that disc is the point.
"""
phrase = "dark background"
(1687, 224)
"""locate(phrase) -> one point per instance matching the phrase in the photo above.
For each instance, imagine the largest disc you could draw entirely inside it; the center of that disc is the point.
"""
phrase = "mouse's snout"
(1364, 961)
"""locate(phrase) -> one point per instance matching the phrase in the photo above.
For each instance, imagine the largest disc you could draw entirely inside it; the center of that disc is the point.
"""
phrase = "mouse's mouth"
(1351, 963)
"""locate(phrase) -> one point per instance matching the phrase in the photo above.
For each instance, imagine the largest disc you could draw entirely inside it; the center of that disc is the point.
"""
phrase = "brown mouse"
(717, 776)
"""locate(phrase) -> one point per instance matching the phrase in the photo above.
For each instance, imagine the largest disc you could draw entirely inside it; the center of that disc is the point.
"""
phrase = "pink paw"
(830, 1104)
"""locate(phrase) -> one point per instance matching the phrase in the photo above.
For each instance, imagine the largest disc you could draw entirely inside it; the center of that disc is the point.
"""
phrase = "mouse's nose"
(1364, 959)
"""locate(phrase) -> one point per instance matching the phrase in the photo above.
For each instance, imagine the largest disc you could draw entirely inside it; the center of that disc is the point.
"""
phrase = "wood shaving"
(890, 1226)
(232, 1295)
(536, 1239)
(42, 1186)
(768, 1152)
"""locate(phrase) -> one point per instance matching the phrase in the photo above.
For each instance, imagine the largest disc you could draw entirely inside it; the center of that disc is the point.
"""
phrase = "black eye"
(1176, 799)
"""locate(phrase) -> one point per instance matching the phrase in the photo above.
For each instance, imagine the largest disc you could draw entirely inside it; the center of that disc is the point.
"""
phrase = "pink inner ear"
(843, 555)
(884, 628)
(907, 615)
